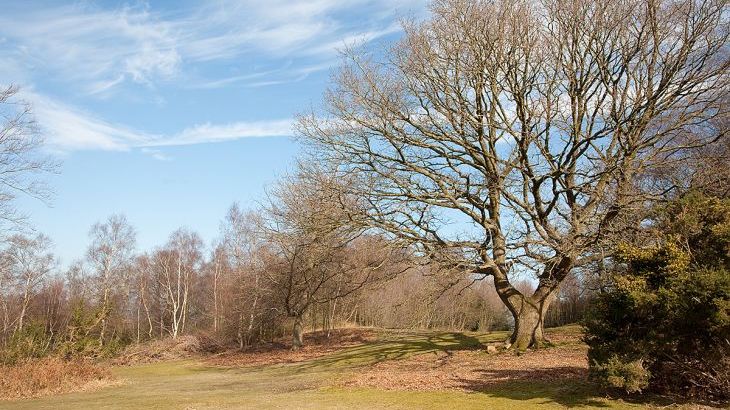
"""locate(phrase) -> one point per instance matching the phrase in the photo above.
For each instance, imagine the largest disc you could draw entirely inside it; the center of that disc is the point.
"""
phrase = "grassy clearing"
(321, 382)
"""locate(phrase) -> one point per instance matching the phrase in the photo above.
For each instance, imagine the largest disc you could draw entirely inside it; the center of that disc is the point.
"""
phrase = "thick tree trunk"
(298, 333)
(528, 331)
(528, 311)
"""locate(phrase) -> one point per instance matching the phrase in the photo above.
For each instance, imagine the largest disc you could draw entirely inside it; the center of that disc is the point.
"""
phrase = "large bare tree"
(508, 138)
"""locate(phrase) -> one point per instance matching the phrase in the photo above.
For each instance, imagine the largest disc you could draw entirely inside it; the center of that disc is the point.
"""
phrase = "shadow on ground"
(567, 386)
(394, 347)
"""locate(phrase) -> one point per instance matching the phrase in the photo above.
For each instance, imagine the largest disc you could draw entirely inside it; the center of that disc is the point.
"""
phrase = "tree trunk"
(104, 311)
(528, 312)
(528, 331)
(26, 300)
(215, 300)
(298, 333)
(138, 325)
(239, 330)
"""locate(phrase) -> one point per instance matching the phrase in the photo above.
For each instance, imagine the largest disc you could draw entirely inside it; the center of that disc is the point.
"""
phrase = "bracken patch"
(51, 375)
(474, 370)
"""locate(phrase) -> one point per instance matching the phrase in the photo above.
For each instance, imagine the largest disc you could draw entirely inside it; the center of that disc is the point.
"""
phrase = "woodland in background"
(240, 291)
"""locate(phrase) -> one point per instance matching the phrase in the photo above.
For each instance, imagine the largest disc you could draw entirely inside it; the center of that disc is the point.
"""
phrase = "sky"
(170, 111)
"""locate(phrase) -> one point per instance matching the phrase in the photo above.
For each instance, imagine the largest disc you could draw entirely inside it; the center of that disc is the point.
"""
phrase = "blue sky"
(169, 111)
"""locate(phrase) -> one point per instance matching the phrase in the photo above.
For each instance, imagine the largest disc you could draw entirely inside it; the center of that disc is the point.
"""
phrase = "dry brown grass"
(51, 375)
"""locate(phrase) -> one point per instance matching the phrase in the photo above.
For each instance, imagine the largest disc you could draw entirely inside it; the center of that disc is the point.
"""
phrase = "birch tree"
(29, 261)
(143, 281)
(510, 138)
(110, 254)
(217, 269)
(177, 266)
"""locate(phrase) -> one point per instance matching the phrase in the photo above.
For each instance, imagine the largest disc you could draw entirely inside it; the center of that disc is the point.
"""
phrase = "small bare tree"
(143, 292)
(217, 269)
(309, 234)
(242, 245)
(505, 138)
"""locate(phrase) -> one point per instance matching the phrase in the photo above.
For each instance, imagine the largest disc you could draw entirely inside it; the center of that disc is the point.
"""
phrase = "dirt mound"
(182, 347)
(316, 344)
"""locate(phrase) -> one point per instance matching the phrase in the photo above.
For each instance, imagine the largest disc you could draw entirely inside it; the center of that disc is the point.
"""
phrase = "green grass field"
(312, 384)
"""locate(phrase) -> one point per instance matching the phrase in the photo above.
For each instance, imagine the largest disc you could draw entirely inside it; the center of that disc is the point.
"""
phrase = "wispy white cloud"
(156, 154)
(104, 48)
(207, 133)
(91, 50)
(283, 75)
(68, 128)
(94, 46)
(353, 40)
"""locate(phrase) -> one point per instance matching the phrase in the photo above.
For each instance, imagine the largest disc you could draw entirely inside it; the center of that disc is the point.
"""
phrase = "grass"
(312, 384)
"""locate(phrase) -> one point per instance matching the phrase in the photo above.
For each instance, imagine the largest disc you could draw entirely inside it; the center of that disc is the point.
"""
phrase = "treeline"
(295, 264)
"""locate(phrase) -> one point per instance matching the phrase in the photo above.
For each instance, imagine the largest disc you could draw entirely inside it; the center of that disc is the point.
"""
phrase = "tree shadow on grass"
(664, 400)
(393, 348)
(567, 386)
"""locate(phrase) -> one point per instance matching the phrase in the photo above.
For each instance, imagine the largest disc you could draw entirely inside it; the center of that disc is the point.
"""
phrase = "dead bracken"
(475, 370)
(50, 376)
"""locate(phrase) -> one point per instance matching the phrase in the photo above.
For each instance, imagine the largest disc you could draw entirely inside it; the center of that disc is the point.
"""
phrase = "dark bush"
(30, 342)
(664, 324)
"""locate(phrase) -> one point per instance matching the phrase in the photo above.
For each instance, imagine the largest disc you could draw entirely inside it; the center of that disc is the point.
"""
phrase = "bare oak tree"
(506, 138)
